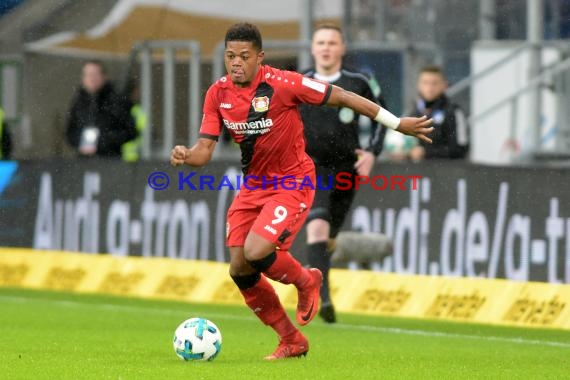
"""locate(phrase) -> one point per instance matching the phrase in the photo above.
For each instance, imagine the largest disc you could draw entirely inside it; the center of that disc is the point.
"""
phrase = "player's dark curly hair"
(246, 32)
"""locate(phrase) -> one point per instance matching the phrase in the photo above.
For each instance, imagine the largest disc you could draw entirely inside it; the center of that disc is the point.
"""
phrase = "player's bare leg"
(319, 255)
(280, 266)
(261, 298)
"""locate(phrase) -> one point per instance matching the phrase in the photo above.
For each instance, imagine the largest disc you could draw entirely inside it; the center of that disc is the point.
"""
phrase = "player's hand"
(365, 162)
(178, 155)
(416, 126)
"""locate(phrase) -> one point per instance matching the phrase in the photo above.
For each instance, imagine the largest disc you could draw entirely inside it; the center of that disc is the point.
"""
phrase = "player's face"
(327, 49)
(242, 61)
(431, 86)
(92, 78)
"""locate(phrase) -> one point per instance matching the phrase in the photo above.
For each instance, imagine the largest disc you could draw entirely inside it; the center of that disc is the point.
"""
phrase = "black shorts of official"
(333, 205)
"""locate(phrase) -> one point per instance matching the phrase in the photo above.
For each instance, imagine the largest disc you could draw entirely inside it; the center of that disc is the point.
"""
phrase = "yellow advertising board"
(489, 301)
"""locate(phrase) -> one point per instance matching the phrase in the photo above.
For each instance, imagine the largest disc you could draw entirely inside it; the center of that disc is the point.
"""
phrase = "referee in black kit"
(333, 144)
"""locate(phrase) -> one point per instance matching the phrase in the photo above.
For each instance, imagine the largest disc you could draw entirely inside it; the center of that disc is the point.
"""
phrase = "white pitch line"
(441, 334)
(343, 326)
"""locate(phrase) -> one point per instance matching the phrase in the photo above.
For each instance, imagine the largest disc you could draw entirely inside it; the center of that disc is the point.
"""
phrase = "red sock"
(287, 270)
(263, 301)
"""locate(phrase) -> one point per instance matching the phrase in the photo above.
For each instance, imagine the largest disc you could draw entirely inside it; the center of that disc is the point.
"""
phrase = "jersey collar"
(328, 78)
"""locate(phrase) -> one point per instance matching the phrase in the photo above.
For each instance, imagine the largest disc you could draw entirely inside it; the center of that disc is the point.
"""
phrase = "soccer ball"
(197, 339)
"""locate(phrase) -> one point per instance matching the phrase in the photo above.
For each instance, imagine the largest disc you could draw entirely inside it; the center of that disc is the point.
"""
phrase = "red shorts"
(276, 215)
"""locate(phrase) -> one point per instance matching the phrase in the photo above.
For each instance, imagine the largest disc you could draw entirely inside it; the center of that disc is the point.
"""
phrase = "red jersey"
(264, 120)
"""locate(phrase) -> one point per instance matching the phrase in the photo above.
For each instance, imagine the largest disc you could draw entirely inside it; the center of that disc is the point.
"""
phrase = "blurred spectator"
(5, 139)
(131, 150)
(99, 120)
(450, 135)
(332, 136)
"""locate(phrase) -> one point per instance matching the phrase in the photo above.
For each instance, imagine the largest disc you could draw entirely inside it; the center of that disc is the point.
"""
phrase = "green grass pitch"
(48, 335)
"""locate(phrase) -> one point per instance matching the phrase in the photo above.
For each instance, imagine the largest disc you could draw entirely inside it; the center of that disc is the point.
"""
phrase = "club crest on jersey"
(438, 117)
(260, 104)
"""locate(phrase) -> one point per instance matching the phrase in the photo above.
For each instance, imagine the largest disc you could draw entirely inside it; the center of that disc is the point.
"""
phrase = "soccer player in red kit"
(258, 105)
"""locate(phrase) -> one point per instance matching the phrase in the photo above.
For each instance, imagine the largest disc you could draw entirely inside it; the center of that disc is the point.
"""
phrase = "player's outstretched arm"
(413, 126)
(199, 155)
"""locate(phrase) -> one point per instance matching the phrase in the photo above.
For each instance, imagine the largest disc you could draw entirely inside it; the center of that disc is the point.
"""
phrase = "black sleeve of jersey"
(377, 131)
(459, 137)
(5, 143)
(454, 146)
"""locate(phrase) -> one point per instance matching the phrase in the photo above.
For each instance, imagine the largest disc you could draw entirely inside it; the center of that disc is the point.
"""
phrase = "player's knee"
(318, 230)
(257, 247)
(252, 251)
(254, 254)
(239, 265)
(242, 269)
(261, 262)
(234, 271)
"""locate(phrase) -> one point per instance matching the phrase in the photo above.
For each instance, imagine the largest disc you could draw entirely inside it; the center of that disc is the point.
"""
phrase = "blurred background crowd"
(125, 79)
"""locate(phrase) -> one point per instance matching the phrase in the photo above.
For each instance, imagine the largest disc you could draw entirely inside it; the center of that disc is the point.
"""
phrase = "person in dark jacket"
(451, 133)
(5, 138)
(333, 142)
(99, 120)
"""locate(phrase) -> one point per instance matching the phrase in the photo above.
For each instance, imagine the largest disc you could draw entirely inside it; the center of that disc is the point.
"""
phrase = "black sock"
(247, 281)
(320, 258)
